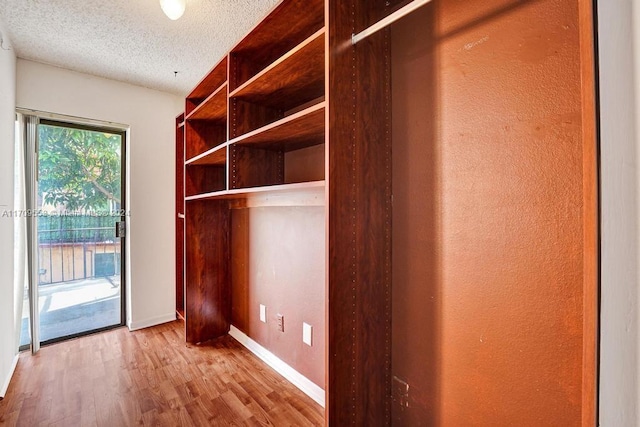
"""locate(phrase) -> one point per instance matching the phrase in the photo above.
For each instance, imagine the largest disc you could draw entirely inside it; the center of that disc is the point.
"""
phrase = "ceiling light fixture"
(173, 8)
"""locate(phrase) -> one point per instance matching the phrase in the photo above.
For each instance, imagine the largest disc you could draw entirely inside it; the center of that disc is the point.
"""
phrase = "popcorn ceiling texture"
(130, 40)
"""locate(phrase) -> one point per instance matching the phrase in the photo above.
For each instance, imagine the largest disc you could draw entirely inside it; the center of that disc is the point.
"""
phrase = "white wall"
(7, 120)
(151, 117)
(619, 96)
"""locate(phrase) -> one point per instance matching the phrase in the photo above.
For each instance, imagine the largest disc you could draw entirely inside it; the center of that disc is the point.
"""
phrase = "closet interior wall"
(493, 215)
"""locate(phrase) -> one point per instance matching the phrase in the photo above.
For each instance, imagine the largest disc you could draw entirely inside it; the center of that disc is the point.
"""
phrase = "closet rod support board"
(385, 22)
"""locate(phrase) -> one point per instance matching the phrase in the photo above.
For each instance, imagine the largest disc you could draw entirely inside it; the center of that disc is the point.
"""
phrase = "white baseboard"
(5, 386)
(307, 386)
(154, 321)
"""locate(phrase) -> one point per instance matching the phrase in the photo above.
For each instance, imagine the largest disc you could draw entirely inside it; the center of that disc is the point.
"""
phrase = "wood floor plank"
(152, 378)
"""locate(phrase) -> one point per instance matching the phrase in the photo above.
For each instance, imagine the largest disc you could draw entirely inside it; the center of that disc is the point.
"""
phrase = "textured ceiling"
(130, 40)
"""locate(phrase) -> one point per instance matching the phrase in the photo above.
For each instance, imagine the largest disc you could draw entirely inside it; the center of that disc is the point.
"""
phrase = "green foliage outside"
(79, 169)
(79, 172)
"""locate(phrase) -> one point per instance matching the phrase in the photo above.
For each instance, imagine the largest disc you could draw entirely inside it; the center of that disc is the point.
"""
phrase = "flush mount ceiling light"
(173, 8)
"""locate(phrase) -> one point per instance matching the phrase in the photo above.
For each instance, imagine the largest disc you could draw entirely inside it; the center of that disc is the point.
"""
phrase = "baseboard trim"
(307, 386)
(154, 321)
(5, 386)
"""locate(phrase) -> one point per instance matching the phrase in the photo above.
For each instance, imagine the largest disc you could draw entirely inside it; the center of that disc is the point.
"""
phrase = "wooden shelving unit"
(293, 79)
(300, 130)
(263, 129)
(217, 156)
(213, 108)
(207, 86)
(296, 122)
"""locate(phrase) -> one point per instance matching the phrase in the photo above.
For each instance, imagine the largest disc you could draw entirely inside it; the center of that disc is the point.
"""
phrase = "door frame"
(44, 118)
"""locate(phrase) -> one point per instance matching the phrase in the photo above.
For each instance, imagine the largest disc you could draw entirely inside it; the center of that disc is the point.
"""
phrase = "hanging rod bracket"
(385, 22)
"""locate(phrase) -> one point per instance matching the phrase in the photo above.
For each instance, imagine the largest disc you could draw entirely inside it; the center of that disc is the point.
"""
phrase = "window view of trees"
(80, 176)
(79, 169)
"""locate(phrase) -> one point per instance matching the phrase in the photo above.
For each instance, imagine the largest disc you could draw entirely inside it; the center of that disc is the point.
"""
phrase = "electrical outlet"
(280, 322)
(263, 313)
(400, 392)
(307, 334)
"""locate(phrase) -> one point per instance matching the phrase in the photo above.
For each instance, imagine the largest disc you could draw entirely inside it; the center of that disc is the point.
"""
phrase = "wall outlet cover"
(263, 313)
(307, 334)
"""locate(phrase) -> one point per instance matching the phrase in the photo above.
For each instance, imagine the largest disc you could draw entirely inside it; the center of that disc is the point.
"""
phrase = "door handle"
(121, 229)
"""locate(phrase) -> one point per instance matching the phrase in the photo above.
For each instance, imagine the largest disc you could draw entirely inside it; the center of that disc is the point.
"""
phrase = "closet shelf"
(208, 85)
(213, 108)
(246, 192)
(293, 79)
(300, 130)
(216, 156)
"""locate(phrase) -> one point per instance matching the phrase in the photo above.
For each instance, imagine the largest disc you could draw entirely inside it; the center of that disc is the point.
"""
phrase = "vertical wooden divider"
(359, 220)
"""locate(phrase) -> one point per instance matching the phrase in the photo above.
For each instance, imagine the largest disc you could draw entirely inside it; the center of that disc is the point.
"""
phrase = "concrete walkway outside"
(70, 308)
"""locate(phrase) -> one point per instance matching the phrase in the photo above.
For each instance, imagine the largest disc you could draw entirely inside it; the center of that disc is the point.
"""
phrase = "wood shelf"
(208, 85)
(293, 79)
(285, 27)
(246, 192)
(216, 156)
(213, 108)
(300, 130)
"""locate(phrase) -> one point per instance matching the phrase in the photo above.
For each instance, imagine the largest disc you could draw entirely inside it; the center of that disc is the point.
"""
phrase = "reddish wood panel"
(211, 81)
(359, 222)
(254, 167)
(213, 108)
(203, 135)
(246, 117)
(294, 79)
(201, 179)
(214, 157)
(305, 165)
(179, 182)
(208, 290)
(294, 132)
(489, 282)
(290, 23)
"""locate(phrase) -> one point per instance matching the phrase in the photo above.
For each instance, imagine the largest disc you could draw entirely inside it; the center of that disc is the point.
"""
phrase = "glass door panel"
(79, 200)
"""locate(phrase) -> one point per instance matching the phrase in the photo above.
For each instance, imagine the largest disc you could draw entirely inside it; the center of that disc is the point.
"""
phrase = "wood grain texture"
(207, 282)
(293, 79)
(217, 156)
(203, 135)
(359, 222)
(151, 378)
(200, 179)
(255, 167)
(246, 117)
(288, 25)
(300, 130)
(213, 108)
(179, 222)
(208, 85)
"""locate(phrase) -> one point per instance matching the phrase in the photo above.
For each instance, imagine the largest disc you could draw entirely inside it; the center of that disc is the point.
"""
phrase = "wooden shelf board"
(294, 78)
(300, 130)
(287, 21)
(216, 77)
(216, 156)
(213, 108)
(241, 193)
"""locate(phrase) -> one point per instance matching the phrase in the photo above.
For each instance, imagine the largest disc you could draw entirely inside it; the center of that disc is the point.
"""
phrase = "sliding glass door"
(77, 230)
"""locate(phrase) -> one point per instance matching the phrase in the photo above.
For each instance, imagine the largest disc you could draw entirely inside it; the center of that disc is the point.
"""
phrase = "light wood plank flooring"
(151, 377)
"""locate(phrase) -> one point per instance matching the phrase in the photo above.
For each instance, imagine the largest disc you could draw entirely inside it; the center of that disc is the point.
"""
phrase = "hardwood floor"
(151, 377)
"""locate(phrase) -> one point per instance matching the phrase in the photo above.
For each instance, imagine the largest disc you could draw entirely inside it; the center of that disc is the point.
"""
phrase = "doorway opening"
(76, 199)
